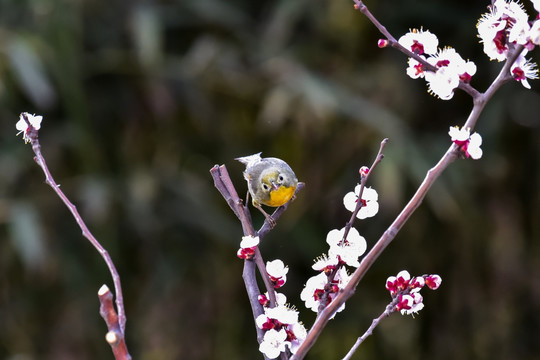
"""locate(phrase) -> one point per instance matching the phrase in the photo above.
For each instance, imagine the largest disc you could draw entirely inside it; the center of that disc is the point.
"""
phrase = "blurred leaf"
(146, 32)
(27, 235)
(30, 72)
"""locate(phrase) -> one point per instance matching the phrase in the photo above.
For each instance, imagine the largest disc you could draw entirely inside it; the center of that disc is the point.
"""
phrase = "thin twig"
(363, 180)
(32, 135)
(390, 308)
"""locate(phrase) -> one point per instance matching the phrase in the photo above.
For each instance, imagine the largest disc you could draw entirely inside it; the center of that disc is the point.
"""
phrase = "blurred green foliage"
(142, 98)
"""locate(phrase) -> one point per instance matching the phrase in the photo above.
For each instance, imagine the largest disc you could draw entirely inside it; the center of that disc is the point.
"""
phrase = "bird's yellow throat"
(280, 196)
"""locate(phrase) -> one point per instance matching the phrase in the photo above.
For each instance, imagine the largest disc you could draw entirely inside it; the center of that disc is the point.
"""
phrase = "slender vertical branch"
(32, 136)
(86, 233)
(224, 185)
(348, 226)
(363, 181)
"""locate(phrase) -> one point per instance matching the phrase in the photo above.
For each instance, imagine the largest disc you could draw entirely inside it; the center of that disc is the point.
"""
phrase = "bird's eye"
(265, 187)
(281, 178)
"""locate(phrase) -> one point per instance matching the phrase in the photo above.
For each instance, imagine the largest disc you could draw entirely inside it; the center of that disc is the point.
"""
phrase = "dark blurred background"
(142, 98)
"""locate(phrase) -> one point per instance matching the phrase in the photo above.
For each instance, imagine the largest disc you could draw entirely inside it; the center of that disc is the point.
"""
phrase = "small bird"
(271, 182)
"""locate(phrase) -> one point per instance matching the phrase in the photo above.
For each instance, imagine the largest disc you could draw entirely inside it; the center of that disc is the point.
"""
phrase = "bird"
(271, 182)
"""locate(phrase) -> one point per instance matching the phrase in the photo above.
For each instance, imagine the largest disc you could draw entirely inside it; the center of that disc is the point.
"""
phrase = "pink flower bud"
(433, 281)
(382, 43)
(364, 171)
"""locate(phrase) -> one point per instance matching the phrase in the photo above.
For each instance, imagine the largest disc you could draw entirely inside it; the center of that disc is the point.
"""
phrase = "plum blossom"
(451, 69)
(415, 69)
(399, 282)
(277, 271)
(247, 247)
(536, 4)
(522, 69)
(326, 264)
(23, 127)
(314, 290)
(420, 42)
(283, 320)
(442, 82)
(347, 250)
(296, 335)
(273, 343)
(469, 144)
(406, 291)
(264, 299)
(494, 28)
(534, 34)
(410, 304)
(370, 206)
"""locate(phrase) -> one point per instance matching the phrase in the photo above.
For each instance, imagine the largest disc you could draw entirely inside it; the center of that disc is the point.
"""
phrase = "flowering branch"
(364, 175)
(29, 125)
(391, 41)
(224, 185)
(406, 298)
(462, 142)
(387, 237)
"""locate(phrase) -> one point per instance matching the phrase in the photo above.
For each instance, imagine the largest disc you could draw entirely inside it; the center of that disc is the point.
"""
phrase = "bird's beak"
(275, 186)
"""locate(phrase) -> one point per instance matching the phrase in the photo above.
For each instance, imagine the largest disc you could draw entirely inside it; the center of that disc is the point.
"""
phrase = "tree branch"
(32, 135)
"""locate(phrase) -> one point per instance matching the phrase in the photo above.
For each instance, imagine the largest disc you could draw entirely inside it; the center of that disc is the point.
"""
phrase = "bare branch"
(115, 336)
(32, 135)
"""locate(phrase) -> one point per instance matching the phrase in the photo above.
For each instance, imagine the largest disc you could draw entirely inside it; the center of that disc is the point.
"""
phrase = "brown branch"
(348, 226)
(390, 308)
(32, 135)
(224, 185)
(115, 335)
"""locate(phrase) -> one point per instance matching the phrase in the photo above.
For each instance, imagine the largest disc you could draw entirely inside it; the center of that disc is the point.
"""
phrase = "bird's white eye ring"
(265, 187)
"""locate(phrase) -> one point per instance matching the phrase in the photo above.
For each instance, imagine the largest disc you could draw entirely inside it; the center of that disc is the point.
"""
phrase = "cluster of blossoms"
(406, 290)
(501, 30)
(280, 323)
(23, 127)
(505, 26)
(451, 67)
(282, 329)
(345, 248)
